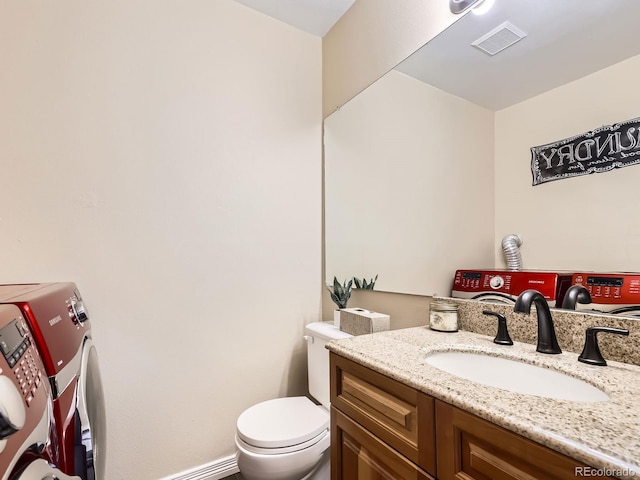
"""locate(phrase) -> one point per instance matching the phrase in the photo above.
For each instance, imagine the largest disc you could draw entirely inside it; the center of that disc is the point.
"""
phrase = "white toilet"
(288, 438)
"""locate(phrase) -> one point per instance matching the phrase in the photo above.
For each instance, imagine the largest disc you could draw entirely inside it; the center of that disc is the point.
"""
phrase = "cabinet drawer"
(399, 415)
(471, 448)
(357, 455)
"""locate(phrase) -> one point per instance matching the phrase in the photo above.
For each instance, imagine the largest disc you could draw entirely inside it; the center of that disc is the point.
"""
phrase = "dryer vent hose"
(510, 247)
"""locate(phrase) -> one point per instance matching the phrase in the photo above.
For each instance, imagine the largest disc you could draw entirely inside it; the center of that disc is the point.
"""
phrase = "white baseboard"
(216, 470)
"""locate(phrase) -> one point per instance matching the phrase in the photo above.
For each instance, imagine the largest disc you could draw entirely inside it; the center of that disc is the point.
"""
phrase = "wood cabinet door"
(471, 448)
(358, 455)
(399, 415)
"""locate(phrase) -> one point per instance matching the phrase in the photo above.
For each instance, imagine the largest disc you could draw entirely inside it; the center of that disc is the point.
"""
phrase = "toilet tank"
(318, 334)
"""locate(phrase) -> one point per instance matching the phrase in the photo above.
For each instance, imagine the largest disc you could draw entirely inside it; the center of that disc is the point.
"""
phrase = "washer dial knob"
(77, 310)
(496, 282)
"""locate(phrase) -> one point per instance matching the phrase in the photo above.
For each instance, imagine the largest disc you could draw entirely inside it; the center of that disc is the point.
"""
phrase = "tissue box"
(358, 321)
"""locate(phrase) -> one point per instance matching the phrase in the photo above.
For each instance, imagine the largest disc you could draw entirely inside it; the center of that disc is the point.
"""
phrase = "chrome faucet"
(547, 341)
(575, 294)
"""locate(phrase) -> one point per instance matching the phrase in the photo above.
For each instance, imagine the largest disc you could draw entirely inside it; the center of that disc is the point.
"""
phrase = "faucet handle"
(591, 352)
(502, 337)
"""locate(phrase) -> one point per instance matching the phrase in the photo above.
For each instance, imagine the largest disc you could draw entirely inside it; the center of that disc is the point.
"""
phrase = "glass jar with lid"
(443, 316)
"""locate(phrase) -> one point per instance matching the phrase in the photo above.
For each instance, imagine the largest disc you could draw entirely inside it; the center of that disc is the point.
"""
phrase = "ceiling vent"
(499, 38)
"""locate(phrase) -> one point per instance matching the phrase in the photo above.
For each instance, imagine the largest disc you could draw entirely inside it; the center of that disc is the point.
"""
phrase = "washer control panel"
(15, 347)
(25, 398)
(611, 288)
(14, 341)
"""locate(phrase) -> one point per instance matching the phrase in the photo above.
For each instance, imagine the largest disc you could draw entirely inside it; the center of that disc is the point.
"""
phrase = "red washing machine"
(612, 293)
(61, 332)
(504, 286)
(27, 430)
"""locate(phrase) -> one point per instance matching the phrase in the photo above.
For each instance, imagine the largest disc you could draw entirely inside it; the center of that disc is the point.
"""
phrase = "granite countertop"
(604, 435)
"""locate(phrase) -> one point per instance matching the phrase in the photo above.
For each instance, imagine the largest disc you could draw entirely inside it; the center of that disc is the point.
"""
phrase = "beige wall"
(582, 223)
(408, 187)
(371, 38)
(148, 154)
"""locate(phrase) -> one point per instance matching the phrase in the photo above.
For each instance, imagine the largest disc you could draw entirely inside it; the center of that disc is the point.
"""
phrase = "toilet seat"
(279, 465)
(279, 451)
(282, 425)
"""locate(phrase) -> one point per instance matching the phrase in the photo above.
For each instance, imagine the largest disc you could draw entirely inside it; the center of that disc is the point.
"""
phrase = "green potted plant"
(363, 284)
(340, 294)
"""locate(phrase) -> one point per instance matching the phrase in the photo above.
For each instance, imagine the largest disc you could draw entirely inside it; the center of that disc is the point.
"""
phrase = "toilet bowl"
(282, 439)
(288, 438)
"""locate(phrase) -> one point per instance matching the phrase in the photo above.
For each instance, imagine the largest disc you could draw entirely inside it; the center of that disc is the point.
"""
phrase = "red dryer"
(61, 332)
(614, 293)
(28, 446)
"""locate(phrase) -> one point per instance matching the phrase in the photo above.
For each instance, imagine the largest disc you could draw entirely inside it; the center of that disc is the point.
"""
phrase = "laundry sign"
(601, 150)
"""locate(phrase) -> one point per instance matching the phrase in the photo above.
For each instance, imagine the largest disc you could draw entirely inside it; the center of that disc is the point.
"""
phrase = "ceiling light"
(459, 6)
(483, 7)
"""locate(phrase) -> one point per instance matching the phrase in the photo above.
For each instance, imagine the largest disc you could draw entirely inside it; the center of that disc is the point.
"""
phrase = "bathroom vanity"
(395, 416)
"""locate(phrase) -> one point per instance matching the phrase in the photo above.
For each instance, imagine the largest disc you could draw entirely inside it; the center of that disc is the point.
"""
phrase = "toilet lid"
(282, 422)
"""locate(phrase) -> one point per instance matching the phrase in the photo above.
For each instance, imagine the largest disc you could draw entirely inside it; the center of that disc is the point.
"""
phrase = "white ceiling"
(313, 16)
(566, 40)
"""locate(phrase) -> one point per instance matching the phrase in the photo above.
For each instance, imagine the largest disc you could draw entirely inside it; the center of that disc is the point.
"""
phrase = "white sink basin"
(516, 376)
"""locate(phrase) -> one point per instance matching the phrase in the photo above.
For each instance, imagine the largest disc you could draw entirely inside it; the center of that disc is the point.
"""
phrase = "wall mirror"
(409, 185)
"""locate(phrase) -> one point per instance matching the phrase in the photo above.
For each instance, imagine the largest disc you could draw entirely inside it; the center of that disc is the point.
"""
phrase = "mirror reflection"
(418, 182)
(587, 292)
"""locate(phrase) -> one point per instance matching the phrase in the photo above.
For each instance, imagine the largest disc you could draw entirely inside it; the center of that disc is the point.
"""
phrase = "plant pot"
(336, 318)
